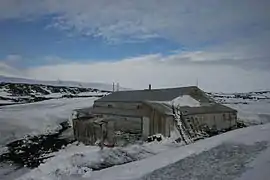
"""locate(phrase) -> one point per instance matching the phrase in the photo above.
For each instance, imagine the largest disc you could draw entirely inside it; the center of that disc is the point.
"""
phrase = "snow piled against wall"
(185, 100)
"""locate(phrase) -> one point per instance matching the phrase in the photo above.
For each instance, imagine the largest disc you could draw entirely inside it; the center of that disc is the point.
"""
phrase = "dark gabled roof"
(155, 95)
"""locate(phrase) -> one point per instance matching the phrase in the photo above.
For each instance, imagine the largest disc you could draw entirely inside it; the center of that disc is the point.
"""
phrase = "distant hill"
(241, 98)
(101, 86)
(18, 90)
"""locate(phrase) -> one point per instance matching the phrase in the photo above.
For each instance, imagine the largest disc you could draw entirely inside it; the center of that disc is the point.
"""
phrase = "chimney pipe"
(150, 87)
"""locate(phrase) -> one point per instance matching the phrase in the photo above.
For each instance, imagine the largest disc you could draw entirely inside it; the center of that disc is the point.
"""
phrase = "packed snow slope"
(240, 154)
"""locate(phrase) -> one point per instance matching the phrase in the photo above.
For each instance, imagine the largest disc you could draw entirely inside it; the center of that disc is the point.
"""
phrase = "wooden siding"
(158, 123)
(86, 132)
(126, 123)
(218, 121)
(157, 120)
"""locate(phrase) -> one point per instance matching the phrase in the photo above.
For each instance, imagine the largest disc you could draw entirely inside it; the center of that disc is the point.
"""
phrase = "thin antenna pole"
(117, 87)
(113, 86)
(197, 82)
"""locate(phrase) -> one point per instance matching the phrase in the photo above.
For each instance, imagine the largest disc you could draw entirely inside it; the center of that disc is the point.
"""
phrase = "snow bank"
(17, 121)
(79, 161)
(3, 93)
(5, 102)
(140, 168)
(76, 162)
(8, 172)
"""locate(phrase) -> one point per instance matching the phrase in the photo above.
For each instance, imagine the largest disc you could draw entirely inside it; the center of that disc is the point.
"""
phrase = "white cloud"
(160, 71)
(182, 20)
(8, 70)
(8, 65)
(230, 29)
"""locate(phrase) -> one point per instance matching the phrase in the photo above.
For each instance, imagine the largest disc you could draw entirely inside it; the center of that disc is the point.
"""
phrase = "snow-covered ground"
(242, 153)
(43, 117)
(253, 107)
(6, 102)
(257, 112)
(8, 172)
(79, 160)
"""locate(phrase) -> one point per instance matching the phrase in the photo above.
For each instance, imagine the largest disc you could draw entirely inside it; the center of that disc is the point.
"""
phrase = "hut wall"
(159, 124)
(126, 123)
(218, 121)
(86, 131)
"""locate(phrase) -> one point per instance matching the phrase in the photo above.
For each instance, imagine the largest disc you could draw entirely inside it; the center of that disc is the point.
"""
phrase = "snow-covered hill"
(13, 91)
(94, 85)
(241, 98)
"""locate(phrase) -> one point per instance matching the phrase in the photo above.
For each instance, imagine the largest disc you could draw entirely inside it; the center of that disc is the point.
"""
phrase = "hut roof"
(156, 95)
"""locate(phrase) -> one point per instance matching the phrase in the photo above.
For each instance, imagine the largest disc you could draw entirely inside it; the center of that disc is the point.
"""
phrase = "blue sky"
(137, 42)
(34, 39)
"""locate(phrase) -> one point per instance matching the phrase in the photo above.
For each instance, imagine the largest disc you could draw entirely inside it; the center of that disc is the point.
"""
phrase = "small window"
(138, 107)
(109, 105)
